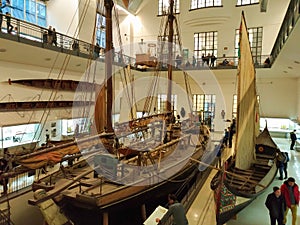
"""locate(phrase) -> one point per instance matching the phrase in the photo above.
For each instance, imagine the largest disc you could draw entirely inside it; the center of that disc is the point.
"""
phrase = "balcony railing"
(32, 34)
(288, 24)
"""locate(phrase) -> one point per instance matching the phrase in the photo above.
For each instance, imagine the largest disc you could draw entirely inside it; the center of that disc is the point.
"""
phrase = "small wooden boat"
(253, 167)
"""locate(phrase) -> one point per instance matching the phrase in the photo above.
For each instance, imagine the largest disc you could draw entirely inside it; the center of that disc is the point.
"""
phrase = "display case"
(71, 126)
(279, 127)
(19, 134)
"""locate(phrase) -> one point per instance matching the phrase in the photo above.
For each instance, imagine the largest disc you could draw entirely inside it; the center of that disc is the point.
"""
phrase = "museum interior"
(107, 107)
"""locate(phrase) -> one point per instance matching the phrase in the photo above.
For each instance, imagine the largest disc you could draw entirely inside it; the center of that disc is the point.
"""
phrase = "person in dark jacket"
(226, 137)
(282, 161)
(176, 210)
(293, 139)
(8, 23)
(285, 164)
(290, 192)
(276, 206)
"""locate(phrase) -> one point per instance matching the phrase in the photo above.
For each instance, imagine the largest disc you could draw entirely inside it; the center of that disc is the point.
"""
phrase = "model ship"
(253, 167)
(122, 164)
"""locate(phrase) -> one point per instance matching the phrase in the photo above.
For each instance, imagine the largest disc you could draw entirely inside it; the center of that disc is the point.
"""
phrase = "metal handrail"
(219, 63)
(64, 43)
(288, 24)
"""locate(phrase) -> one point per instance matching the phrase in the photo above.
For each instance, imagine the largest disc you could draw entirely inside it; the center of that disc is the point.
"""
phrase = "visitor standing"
(8, 23)
(54, 37)
(290, 193)
(293, 139)
(276, 206)
(176, 210)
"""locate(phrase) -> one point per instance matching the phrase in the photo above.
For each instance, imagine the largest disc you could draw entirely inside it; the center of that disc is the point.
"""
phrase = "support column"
(143, 211)
(105, 218)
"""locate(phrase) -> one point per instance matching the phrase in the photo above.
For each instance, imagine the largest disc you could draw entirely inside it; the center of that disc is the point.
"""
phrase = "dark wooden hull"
(226, 216)
(247, 183)
(151, 196)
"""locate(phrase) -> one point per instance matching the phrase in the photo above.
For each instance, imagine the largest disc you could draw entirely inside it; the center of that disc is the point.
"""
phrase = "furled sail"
(100, 109)
(247, 99)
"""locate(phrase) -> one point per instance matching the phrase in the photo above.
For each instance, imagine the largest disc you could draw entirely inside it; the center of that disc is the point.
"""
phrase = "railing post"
(61, 38)
(18, 30)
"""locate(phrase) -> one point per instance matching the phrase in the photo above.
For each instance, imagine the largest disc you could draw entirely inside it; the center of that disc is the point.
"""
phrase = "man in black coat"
(293, 139)
(276, 206)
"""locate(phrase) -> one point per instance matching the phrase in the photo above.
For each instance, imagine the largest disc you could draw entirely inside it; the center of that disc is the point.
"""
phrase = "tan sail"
(246, 114)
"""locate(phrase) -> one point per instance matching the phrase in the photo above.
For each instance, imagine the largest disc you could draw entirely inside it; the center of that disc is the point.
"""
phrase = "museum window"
(205, 43)
(163, 46)
(246, 2)
(162, 103)
(198, 4)
(164, 5)
(32, 11)
(204, 106)
(234, 106)
(100, 30)
(255, 39)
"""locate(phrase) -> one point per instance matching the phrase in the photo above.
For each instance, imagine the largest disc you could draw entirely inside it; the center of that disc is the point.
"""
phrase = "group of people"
(50, 36)
(208, 60)
(228, 134)
(283, 199)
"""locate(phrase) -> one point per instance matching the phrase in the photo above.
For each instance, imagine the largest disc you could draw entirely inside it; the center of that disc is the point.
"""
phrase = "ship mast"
(170, 55)
(108, 64)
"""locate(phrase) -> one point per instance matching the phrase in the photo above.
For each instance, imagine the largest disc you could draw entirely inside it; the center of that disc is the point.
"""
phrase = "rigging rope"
(60, 76)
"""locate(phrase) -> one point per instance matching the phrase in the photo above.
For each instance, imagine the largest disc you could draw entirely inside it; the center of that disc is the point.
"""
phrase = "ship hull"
(82, 211)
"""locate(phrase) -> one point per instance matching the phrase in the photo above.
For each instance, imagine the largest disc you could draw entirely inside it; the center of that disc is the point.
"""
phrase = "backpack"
(286, 157)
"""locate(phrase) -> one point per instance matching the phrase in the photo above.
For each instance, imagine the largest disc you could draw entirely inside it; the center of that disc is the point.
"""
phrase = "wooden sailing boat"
(253, 167)
(157, 167)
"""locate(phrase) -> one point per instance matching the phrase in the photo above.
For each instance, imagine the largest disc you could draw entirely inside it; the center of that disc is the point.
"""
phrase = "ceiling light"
(290, 67)
(47, 59)
(123, 10)
(2, 50)
(297, 62)
(285, 71)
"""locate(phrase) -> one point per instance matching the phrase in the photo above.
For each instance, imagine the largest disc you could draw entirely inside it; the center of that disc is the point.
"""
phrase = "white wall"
(15, 92)
(278, 97)
(73, 17)
(87, 20)
(224, 19)
(63, 16)
(298, 99)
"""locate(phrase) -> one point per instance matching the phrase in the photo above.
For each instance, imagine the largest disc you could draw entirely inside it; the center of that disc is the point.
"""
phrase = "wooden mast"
(103, 101)
(108, 64)
(170, 56)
